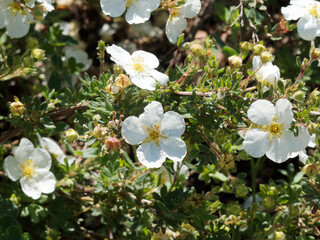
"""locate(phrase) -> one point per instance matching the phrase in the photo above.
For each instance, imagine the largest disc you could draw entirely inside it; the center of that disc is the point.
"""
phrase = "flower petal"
(150, 155)
(191, 8)
(53, 148)
(270, 74)
(41, 158)
(307, 28)
(261, 112)
(174, 27)
(144, 82)
(175, 148)
(18, 26)
(46, 181)
(256, 63)
(293, 12)
(149, 59)
(284, 112)
(24, 150)
(30, 187)
(172, 124)
(131, 130)
(312, 142)
(160, 77)
(12, 169)
(139, 12)
(113, 8)
(118, 55)
(152, 114)
(256, 142)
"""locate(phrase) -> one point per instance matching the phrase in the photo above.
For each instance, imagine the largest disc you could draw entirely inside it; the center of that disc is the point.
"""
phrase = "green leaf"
(90, 153)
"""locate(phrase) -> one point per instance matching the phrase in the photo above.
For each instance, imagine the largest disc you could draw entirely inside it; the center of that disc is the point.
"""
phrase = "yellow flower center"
(28, 168)
(174, 12)
(154, 134)
(129, 3)
(138, 64)
(314, 10)
(15, 8)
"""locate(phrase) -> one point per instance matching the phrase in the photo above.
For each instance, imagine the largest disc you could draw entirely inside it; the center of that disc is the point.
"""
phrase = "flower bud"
(38, 54)
(246, 46)
(196, 49)
(299, 96)
(29, 71)
(235, 61)
(101, 46)
(185, 46)
(17, 108)
(313, 128)
(38, 11)
(188, 59)
(272, 190)
(112, 89)
(311, 169)
(314, 95)
(71, 135)
(122, 81)
(96, 117)
(314, 53)
(112, 144)
(100, 131)
(143, 93)
(117, 69)
(208, 43)
(279, 235)
(266, 57)
(32, 43)
(269, 202)
(258, 49)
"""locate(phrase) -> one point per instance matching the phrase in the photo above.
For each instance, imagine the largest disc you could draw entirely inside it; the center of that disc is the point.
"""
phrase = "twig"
(200, 94)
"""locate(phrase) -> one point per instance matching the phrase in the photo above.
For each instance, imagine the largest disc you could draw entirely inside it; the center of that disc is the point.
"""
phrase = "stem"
(253, 180)
(173, 61)
(302, 70)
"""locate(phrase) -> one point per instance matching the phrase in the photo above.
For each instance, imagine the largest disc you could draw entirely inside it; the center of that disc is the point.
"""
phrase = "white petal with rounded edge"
(150, 155)
(54, 149)
(152, 114)
(139, 12)
(113, 8)
(24, 150)
(132, 131)
(284, 112)
(149, 59)
(2, 18)
(270, 74)
(175, 148)
(256, 142)
(296, 143)
(191, 8)
(174, 28)
(293, 12)
(278, 151)
(160, 77)
(30, 187)
(172, 124)
(118, 55)
(46, 181)
(12, 169)
(18, 26)
(41, 158)
(307, 28)
(256, 63)
(261, 112)
(143, 82)
(312, 142)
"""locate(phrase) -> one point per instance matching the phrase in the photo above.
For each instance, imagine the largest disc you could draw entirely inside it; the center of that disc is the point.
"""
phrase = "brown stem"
(200, 94)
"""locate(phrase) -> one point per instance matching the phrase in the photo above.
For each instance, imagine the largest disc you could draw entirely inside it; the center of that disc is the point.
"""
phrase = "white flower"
(308, 13)
(272, 136)
(268, 74)
(30, 165)
(14, 18)
(303, 157)
(138, 11)
(140, 66)
(177, 22)
(159, 134)
(47, 4)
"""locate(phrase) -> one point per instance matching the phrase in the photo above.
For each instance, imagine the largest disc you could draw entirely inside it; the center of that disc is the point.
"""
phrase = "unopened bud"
(273, 190)
(112, 144)
(314, 95)
(32, 43)
(189, 59)
(185, 46)
(196, 49)
(29, 71)
(101, 46)
(96, 117)
(258, 49)
(299, 96)
(208, 43)
(100, 132)
(314, 53)
(279, 235)
(38, 11)
(246, 46)
(38, 54)
(311, 169)
(313, 128)
(235, 61)
(71, 135)
(122, 81)
(117, 69)
(112, 89)
(269, 202)
(143, 93)
(17, 108)
(266, 57)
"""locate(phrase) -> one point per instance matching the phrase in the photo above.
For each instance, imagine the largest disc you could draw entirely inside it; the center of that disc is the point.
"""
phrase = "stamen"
(28, 168)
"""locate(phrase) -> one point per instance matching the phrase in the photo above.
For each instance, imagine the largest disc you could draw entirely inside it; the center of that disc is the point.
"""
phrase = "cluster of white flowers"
(32, 166)
(138, 11)
(17, 18)
(308, 13)
(140, 66)
(271, 135)
(267, 74)
(158, 133)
